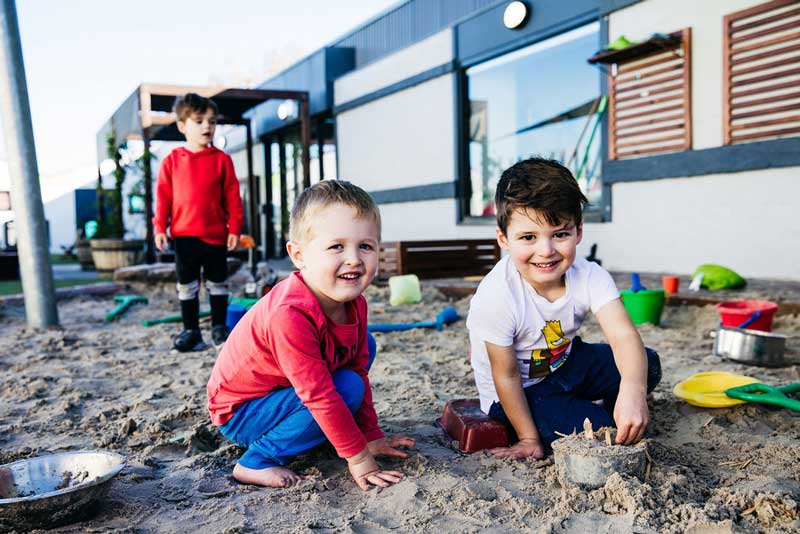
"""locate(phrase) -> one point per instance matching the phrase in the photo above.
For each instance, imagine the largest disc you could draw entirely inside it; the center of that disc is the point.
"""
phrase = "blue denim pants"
(277, 427)
(561, 401)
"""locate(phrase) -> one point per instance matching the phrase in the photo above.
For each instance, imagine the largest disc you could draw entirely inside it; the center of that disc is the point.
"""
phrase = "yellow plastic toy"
(404, 289)
(707, 390)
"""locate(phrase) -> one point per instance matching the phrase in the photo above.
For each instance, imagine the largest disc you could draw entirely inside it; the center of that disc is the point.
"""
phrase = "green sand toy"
(125, 302)
(765, 394)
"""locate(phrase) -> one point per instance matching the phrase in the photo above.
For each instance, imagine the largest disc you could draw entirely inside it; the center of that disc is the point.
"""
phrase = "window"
(761, 72)
(542, 100)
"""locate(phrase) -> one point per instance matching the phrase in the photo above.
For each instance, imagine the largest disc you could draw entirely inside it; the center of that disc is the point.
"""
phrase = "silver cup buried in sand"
(54, 489)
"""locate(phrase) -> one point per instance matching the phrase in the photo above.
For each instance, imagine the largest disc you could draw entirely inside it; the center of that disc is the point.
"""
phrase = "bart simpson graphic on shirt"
(543, 359)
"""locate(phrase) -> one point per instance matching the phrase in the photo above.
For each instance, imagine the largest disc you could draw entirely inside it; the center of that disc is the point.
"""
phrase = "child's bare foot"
(272, 477)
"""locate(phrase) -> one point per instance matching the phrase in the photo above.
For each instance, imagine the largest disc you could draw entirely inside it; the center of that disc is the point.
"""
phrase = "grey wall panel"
(484, 36)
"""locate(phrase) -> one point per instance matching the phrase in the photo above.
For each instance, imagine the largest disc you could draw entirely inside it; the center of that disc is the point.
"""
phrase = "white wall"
(402, 140)
(431, 219)
(746, 221)
(60, 214)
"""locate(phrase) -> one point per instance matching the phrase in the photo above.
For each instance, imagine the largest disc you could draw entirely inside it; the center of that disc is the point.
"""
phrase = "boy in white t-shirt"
(531, 369)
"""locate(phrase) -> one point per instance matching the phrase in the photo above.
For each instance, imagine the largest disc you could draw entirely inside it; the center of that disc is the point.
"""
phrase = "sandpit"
(119, 387)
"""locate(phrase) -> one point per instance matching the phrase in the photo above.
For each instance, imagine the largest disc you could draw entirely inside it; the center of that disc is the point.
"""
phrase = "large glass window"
(542, 100)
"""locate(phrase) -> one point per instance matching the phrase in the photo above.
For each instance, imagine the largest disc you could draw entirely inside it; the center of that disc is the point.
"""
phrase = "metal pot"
(752, 347)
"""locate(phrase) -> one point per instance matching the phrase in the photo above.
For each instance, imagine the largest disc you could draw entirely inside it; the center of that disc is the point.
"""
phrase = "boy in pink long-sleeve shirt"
(294, 371)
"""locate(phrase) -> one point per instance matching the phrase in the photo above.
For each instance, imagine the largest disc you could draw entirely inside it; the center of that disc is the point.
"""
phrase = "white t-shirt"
(507, 311)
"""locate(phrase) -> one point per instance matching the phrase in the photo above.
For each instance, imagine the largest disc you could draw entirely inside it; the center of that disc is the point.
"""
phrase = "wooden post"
(305, 139)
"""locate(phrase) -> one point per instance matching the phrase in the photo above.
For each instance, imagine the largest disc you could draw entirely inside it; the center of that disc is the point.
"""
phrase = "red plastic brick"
(474, 431)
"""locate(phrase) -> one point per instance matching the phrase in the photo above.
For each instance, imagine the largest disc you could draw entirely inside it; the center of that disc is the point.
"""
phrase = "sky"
(84, 57)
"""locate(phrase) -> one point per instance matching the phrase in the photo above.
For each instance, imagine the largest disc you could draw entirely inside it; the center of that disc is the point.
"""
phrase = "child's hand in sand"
(631, 413)
(522, 449)
(367, 473)
(387, 446)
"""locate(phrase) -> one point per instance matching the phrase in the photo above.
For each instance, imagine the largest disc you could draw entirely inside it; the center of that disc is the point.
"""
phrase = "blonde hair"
(323, 194)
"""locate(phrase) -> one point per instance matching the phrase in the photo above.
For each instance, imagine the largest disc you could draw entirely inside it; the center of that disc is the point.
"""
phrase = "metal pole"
(26, 196)
(150, 248)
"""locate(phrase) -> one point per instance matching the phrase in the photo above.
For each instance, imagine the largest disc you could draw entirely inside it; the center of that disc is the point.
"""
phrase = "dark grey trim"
(417, 79)
(724, 159)
(609, 6)
(414, 193)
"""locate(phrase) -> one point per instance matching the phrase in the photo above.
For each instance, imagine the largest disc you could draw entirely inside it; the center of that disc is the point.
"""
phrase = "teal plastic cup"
(644, 306)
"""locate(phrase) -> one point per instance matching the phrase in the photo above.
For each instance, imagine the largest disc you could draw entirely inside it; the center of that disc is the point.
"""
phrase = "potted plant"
(110, 249)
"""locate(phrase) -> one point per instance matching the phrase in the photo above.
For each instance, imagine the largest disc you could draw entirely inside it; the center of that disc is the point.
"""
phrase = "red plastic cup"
(670, 284)
(735, 312)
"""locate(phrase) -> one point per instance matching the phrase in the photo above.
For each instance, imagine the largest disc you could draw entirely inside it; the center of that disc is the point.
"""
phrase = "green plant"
(110, 224)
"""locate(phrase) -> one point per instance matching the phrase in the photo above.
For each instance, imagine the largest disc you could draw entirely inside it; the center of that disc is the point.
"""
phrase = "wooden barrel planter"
(83, 249)
(111, 254)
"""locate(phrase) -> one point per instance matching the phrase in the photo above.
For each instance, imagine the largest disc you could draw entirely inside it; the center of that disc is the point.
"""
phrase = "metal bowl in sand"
(51, 490)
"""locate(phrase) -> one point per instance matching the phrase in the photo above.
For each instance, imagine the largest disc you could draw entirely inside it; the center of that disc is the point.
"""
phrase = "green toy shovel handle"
(765, 394)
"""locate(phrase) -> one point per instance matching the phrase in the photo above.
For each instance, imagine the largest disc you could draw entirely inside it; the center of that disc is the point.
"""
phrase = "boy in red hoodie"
(294, 372)
(197, 196)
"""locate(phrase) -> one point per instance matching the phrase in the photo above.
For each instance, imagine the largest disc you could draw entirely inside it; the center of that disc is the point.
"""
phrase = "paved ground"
(72, 271)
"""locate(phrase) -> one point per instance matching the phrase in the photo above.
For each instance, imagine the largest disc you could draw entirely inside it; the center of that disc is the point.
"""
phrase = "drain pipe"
(26, 196)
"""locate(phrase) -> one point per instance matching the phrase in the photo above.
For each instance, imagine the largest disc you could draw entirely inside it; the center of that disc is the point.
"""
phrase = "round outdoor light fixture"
(287, 110)
(515, 15)
(107, 166)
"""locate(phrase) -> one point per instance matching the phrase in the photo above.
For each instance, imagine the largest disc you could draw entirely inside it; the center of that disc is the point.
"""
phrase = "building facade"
(687, 142)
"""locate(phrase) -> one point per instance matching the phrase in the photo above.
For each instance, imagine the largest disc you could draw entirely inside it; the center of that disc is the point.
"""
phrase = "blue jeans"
(561, 401)
(277, 427)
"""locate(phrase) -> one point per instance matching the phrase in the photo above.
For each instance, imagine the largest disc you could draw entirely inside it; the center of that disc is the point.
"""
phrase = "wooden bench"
(438, 259)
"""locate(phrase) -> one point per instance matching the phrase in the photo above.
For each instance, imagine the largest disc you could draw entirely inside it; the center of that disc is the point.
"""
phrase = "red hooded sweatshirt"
(197, 195)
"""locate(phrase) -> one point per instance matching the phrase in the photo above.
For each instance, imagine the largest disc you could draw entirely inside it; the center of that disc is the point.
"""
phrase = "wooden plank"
(768, 100)
(766, 89)
(663, 58)
(764, 66)
(763, 8)
(444, 243)
(767, 20)
(667, 89)
(767, 111)
(632, 75)
(647, 122)
(761, 33)
(686, 43)
(763, 44)
(446, 255)
(654, 150)
(651, 130)
(765, 77)
(647, 113)
(772, 133)
(768, 122)
(649, 83)
(651, 141)
(612, 119)
(652, 102)
(764, 55)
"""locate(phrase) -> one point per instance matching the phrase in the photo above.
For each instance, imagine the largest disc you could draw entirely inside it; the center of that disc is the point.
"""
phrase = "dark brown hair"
(543, 185)
(190, 103)
(323, 194)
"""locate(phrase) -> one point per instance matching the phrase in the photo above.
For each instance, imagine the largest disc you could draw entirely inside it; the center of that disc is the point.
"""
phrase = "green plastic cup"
(644, 306)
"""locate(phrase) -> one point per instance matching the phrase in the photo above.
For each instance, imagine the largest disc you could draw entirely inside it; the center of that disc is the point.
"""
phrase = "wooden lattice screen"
(650, 109)
(761, 72)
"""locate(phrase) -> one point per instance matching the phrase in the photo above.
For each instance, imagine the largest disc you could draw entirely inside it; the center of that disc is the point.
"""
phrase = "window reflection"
(542, 100)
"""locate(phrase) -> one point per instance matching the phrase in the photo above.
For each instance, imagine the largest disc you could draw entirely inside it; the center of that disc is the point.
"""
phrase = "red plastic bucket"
(734, 312)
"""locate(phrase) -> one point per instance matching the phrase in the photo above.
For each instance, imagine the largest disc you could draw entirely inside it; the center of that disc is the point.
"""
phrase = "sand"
(119, 387)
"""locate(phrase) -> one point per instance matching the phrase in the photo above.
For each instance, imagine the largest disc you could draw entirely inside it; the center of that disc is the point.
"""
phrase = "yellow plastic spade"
(708, 389)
